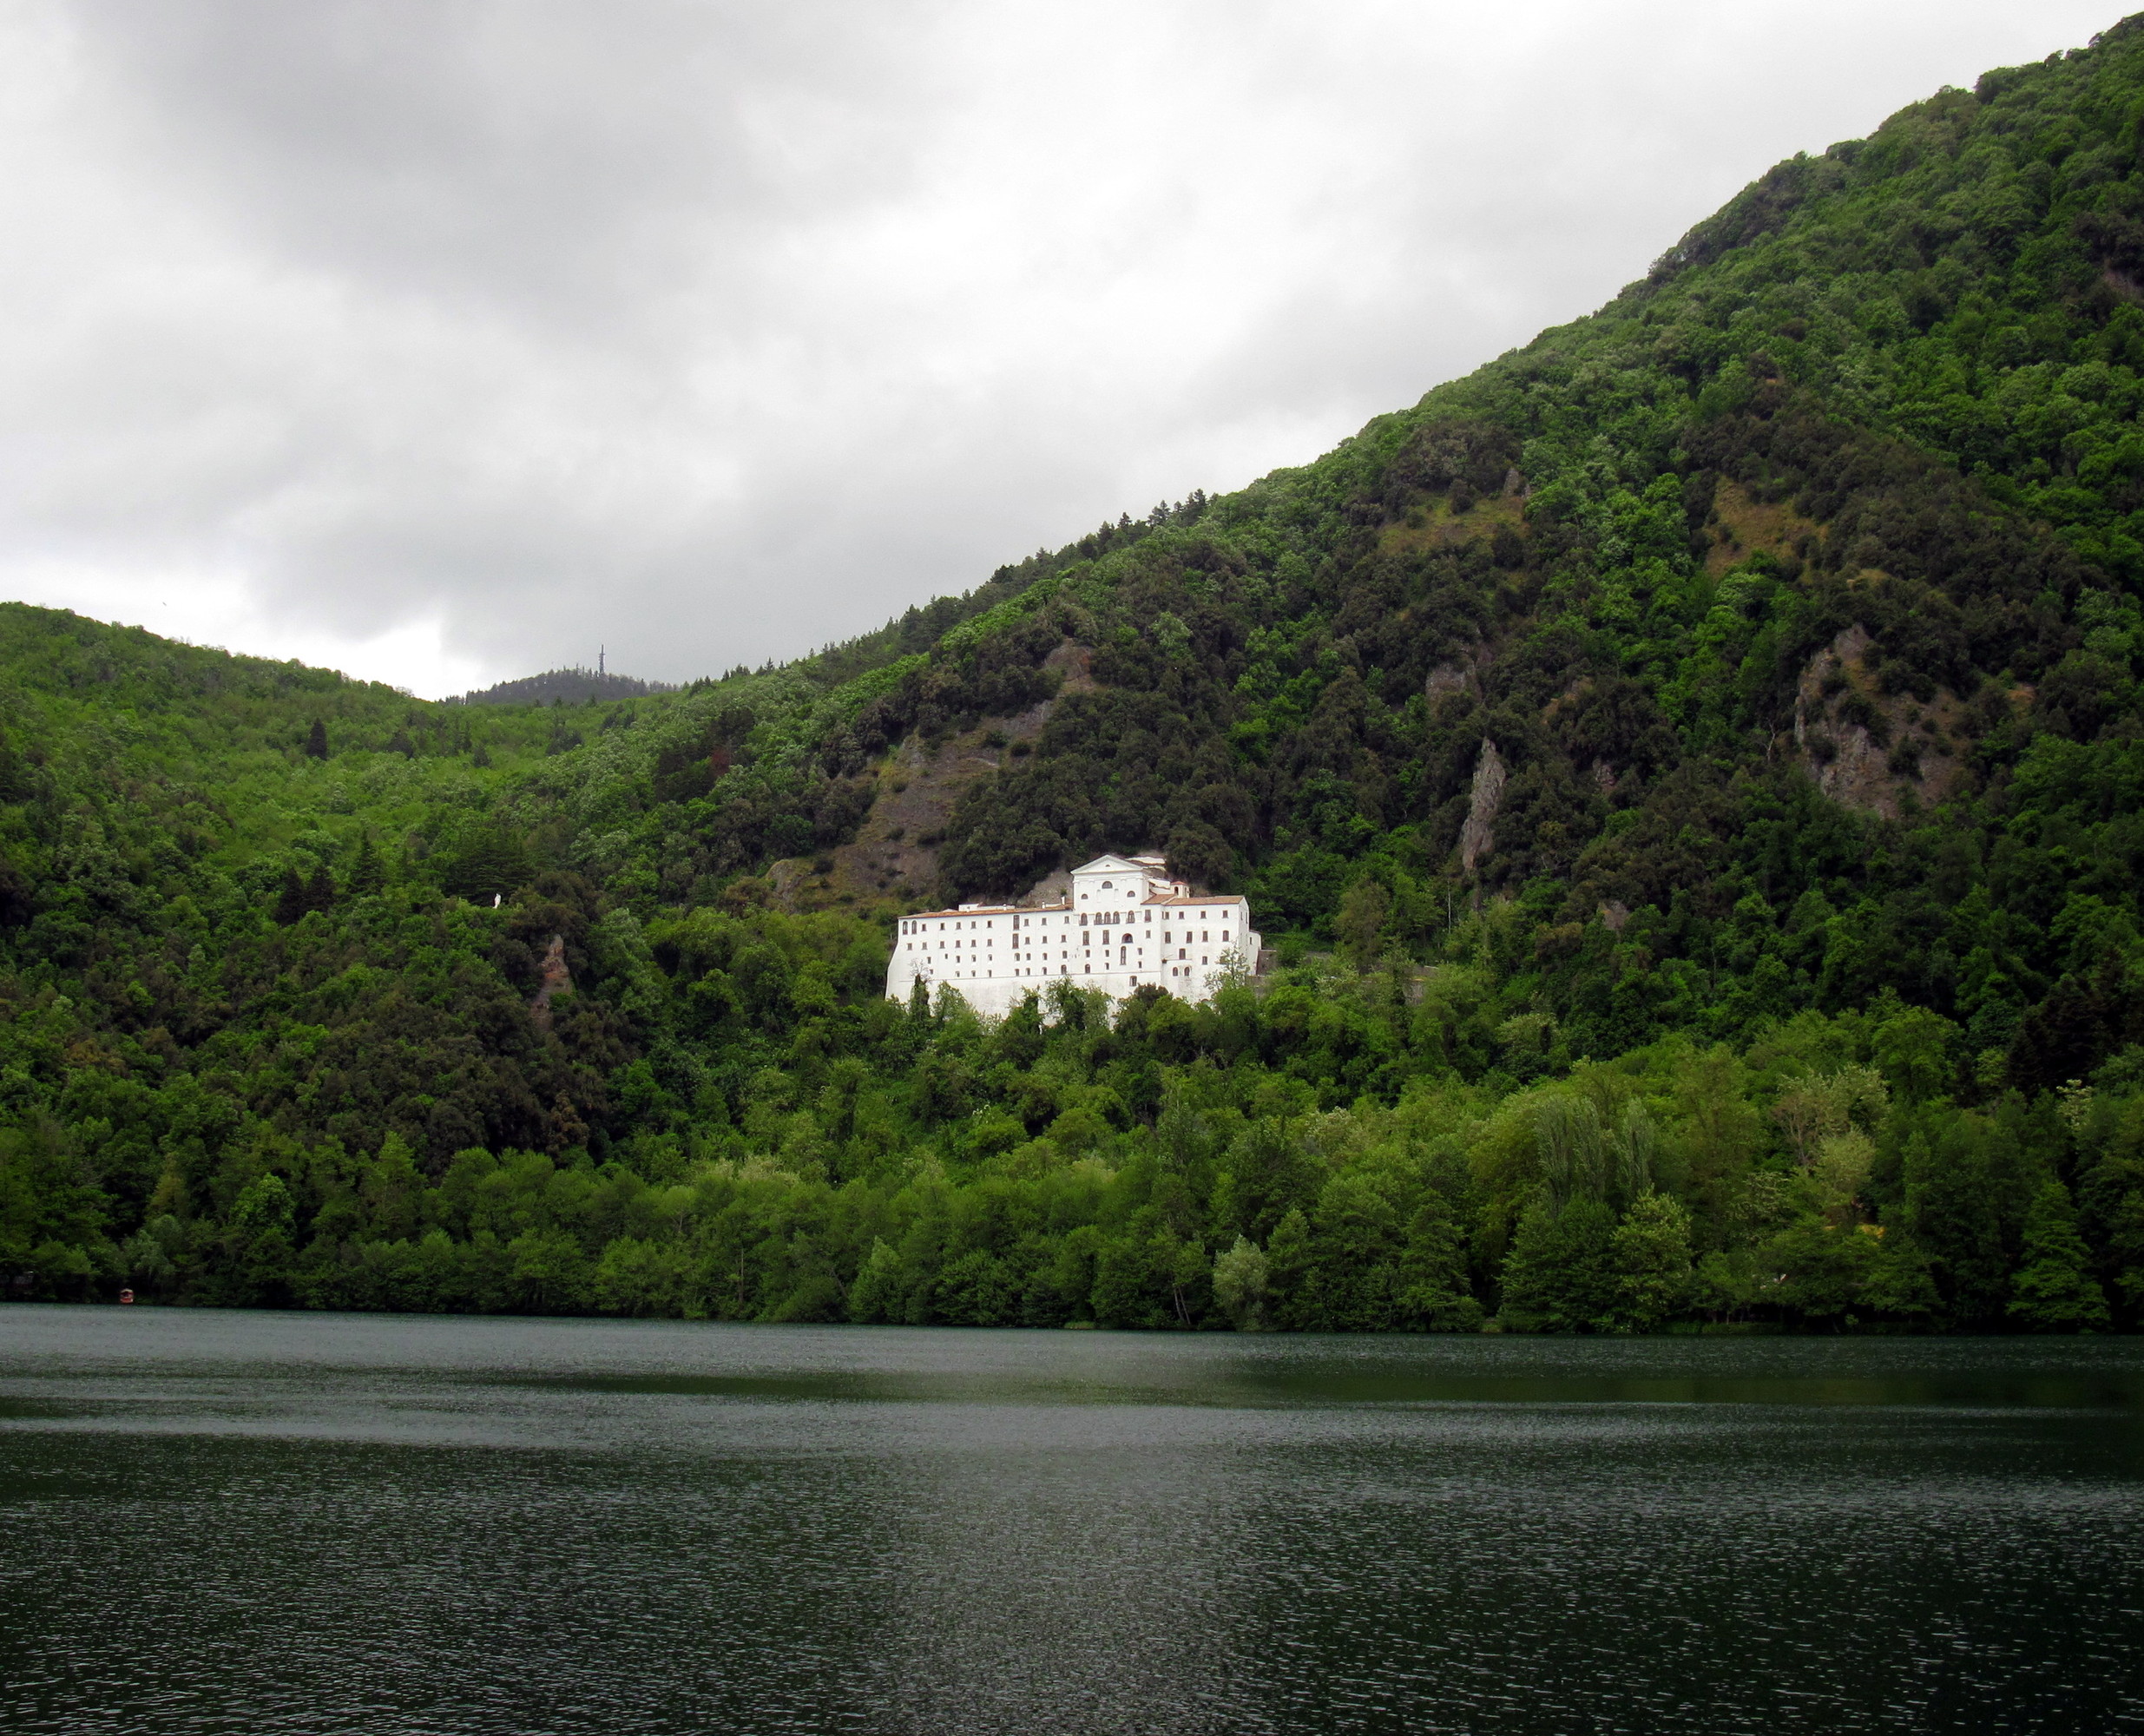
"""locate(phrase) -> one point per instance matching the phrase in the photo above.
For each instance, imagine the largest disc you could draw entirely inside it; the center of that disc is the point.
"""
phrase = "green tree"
(1358, 1249)
(1825, 1268)
(1650, 1253)
(877, 1293)
(392, 1192)
(49, 1201)
(1292, 1275)
(368, 876)
(1561, 1274)
(488, 863)
(260, 1243)
(1962, 1183)
(1434, 1292)
(977, 1289)
(1264, 1175)
(1239, 1284)
(291, 902)
(152, 1255)
(1361, 925)
(2054, 1290)
(550, 1273)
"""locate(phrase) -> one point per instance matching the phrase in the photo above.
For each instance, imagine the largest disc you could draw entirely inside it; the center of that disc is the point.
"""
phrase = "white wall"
(997, 956)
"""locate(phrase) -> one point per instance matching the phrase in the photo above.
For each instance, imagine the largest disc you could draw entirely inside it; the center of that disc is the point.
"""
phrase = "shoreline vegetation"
(1691, 772)
(885, 1166)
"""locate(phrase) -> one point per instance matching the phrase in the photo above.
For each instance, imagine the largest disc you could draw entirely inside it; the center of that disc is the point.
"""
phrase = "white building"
(1126, 924)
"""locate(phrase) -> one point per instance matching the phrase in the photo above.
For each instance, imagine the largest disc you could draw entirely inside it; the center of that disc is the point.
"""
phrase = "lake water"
(320, 1523)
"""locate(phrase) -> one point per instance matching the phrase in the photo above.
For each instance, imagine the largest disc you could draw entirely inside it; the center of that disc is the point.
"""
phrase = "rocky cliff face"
(1868, 750)
(1478, 836)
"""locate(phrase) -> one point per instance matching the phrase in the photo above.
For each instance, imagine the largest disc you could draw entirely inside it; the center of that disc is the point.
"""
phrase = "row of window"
(910, 925)
(1127, 939)
(1088, 969)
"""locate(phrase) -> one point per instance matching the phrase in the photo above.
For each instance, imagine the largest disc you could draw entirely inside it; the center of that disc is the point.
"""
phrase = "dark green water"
(317, 1524)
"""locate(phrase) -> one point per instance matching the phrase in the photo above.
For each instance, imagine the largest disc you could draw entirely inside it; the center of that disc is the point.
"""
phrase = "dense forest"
(569, 687)
(1688, 773)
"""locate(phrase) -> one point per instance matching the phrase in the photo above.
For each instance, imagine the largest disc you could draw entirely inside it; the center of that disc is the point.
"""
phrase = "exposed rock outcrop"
(1865, 748)
(1460, 675)
(894, 852)
(1477, 838)
(552, 978)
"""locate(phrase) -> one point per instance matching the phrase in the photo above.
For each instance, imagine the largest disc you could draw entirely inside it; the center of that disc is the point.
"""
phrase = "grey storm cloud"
(445, 341)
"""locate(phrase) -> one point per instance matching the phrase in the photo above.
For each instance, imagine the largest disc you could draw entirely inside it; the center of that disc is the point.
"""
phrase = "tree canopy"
(1688, 771)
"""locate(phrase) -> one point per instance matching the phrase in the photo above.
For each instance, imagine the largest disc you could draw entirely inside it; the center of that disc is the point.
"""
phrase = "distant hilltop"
(575, 687)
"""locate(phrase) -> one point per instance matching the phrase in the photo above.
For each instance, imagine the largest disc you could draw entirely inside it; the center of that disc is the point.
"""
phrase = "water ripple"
(223, 1522)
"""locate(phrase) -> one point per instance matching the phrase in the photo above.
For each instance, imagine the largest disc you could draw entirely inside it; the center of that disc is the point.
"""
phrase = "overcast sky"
(443, 342)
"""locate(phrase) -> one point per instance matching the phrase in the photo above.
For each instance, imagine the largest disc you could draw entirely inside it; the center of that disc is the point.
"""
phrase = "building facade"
(1124, 923)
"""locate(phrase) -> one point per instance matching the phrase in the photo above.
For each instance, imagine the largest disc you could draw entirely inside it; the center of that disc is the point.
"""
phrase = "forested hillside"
(1689, 769)
(565, 686)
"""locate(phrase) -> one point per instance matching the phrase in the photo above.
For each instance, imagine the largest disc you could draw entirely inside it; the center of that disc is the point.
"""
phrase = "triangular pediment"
(1110, 865)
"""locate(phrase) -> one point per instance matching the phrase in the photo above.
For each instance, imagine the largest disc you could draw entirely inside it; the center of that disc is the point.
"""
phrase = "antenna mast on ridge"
(600, 649)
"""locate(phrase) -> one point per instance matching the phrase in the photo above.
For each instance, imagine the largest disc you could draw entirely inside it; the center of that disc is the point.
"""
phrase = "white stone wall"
(1120, 929)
